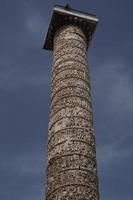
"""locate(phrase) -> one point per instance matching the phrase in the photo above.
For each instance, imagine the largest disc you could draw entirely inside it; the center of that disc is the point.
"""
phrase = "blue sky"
(25, 96)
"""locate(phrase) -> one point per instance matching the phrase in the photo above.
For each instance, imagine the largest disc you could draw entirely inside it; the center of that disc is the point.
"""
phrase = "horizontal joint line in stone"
(71, 154)
(87, 99)
(74, 169)
(70, 117)
(69, 77)
(71, 46)
(66, 60)
(69, 68)
(88, 129)
(69, 53)
(70, 40)
(55, 113)
(64, 47)
(69, 86)
(79, 170)
(71, 140)
(89, 112)
(69, 185)
(76, 54)
(61, 35)
(55, 67)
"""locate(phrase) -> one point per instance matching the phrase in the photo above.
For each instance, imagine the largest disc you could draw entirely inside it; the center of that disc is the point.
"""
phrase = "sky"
(25, 96)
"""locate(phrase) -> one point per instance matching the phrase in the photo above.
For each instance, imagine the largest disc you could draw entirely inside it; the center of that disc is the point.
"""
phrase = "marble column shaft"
(71, 162)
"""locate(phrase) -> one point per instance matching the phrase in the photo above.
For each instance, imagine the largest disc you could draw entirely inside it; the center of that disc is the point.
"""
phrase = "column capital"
(66, 16)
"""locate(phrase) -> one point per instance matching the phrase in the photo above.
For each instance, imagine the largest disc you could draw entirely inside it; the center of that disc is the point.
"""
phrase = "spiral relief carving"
(71, 162)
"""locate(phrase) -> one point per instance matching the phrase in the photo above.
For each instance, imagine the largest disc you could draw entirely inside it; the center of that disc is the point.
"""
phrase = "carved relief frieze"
(71, 163)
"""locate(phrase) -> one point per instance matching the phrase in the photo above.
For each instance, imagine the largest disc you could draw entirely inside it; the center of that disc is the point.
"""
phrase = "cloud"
(112, 99)
(122, 92)
(112, 94)
(22, 176)
(16, 79)
(23, 164)
(34, 21)
(114, 152)
(22, 57)
(113, 85)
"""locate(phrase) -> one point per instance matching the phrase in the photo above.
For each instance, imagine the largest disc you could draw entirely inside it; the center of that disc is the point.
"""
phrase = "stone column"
(71, 163)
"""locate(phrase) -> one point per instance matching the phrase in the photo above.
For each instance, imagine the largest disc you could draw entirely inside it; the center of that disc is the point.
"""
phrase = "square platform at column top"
(64, 16)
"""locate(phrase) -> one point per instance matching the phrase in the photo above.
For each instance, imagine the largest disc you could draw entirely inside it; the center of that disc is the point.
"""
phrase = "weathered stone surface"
(71, 102)
(71, 163)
